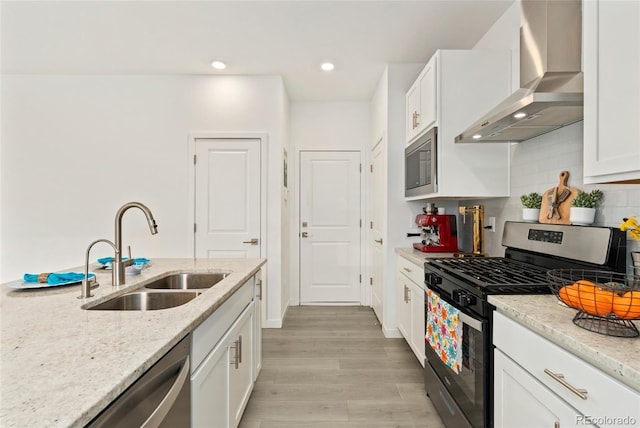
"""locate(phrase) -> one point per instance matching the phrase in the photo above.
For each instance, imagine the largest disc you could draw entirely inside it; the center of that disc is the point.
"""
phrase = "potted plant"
(583, 207)
(531, 207)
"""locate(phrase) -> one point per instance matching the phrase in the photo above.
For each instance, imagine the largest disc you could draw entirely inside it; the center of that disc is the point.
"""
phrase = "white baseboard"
(391, 333)
(272, 324)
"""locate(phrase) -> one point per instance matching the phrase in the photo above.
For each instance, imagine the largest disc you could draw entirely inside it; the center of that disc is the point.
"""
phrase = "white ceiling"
(287, 38)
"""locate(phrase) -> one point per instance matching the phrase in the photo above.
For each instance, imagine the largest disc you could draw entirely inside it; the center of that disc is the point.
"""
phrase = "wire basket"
(606, 301)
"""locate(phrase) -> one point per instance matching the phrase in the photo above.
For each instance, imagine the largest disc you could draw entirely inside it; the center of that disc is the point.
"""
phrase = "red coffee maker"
(439, 233)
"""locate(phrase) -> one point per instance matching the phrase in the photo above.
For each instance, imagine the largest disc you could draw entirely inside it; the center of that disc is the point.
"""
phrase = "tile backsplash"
(535, 167)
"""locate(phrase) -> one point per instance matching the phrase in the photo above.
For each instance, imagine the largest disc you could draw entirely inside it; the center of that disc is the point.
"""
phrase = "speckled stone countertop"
(618, 357)
(60, 365)
(418, 257)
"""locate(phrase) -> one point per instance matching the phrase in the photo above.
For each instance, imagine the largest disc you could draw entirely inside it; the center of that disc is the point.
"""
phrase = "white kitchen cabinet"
(257, 328)
(223, 361)
(467, 83)
(521, 401)
(421, 102)
(411, 312)
(611, 49)
(562, 387)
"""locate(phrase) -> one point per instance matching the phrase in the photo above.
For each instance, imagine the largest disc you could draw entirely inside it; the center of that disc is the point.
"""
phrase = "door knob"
(379, 241)
(252, 241)
(305, 234)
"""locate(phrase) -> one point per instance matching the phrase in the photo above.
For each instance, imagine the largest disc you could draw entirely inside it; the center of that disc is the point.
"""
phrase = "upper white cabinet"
(455, 89)
(611, 48)
(421, 101)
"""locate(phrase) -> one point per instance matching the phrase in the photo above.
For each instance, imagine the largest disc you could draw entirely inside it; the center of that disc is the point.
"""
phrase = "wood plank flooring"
(332, 367)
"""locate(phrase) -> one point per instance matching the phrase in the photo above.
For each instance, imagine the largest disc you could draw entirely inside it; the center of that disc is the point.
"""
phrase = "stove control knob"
(432, 279)
(462, 298)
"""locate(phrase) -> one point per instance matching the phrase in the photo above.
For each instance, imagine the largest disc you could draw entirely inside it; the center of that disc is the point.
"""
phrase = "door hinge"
(360, 222)
(195, 157)
(370, 280)
(360, 279)
(370, 225)
(371, 167)
(194, 228)
(360, 168)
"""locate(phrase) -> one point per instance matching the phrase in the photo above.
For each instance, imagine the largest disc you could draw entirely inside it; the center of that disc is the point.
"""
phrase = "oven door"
(420, 176)
(469, 388)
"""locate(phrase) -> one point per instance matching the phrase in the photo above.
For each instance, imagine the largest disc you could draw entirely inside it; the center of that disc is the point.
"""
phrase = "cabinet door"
(428, 96)
(413, 110)
(240, 366)
(403, 306)
(210, 389)
(611, 91)
(520, 401)
(416, 301)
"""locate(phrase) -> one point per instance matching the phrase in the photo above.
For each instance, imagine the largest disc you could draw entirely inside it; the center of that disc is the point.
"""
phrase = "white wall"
(75, 148)
(537, 163)
(319, 126)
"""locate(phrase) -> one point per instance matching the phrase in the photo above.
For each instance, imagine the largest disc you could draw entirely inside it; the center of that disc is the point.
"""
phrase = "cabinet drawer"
(605, 399)
(207, 334)
(414, 272)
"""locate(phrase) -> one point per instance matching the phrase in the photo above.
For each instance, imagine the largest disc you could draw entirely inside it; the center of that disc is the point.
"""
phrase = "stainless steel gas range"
(459, 366)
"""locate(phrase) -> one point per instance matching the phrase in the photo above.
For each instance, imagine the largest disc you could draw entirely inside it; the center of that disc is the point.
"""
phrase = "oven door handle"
(472, 322)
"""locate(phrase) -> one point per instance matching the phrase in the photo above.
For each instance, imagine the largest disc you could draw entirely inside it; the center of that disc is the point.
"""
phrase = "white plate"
(27, 285)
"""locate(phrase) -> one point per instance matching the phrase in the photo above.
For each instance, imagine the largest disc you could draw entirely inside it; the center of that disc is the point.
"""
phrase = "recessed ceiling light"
(218, 65)
(520, 115)
(477, 136)
(327, 66)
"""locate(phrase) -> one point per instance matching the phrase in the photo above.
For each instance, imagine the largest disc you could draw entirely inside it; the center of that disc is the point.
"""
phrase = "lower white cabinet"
(522, 401)
(223, 359)
(411, 312)
(539, 384)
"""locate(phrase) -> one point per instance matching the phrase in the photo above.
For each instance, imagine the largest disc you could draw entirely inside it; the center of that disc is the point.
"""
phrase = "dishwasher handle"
(160, 412)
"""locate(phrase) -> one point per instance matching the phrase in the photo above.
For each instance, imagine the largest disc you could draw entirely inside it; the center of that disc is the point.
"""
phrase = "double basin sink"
(163, 293)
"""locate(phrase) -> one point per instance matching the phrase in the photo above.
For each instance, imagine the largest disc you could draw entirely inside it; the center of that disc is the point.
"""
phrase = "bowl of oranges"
(607, 302)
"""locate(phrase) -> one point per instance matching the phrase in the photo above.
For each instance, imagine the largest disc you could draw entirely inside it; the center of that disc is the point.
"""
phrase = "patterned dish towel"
(444, 331)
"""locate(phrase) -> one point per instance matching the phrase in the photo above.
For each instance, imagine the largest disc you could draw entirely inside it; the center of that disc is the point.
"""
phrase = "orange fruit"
(594, 300)
(569, 294)
(627, 306)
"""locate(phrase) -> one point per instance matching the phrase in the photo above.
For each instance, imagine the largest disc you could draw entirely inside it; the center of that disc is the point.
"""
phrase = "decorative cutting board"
(556, 202)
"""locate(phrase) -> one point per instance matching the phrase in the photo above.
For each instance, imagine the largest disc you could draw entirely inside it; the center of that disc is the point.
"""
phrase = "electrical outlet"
(491, 224)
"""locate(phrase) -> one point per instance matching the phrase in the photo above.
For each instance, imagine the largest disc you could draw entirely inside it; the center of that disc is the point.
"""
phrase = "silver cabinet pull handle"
(236, 359)
(252, 241)
(259, 283)
(407, 269)
(559, 377)
(240, 348)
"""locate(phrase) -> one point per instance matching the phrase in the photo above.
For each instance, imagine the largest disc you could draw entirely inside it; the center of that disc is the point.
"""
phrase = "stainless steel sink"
(188, 281)
(146, 301)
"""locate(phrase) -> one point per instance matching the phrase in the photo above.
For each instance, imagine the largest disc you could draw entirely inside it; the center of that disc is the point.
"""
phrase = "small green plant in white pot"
(583, 207)
(531, 204)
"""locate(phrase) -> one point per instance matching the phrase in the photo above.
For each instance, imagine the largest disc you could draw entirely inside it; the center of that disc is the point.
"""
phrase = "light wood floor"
(332, 367)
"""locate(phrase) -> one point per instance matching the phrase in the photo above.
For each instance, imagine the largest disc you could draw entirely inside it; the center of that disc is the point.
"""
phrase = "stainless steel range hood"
(551, 81)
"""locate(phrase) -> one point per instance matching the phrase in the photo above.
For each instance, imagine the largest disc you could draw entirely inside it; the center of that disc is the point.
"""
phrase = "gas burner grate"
(496, 274)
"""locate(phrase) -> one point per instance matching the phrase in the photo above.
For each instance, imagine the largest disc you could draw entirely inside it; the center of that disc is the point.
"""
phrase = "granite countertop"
(545, 315)
(418, 257)
(60, 365)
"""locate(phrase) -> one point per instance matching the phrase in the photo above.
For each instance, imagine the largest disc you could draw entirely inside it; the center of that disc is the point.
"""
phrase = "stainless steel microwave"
(420, 162)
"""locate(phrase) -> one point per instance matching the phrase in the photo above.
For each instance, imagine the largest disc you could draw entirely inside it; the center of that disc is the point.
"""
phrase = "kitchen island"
(60, 364)
(546, 316)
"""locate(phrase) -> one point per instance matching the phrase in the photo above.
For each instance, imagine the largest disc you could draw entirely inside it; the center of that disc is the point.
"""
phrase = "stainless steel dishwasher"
(160, 398)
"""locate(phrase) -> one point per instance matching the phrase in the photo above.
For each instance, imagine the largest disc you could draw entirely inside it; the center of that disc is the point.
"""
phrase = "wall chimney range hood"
(551, 80)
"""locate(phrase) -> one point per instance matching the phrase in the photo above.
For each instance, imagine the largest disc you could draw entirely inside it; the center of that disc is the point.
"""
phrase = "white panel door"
(330, 227)
(227, 202)
(376, 223)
